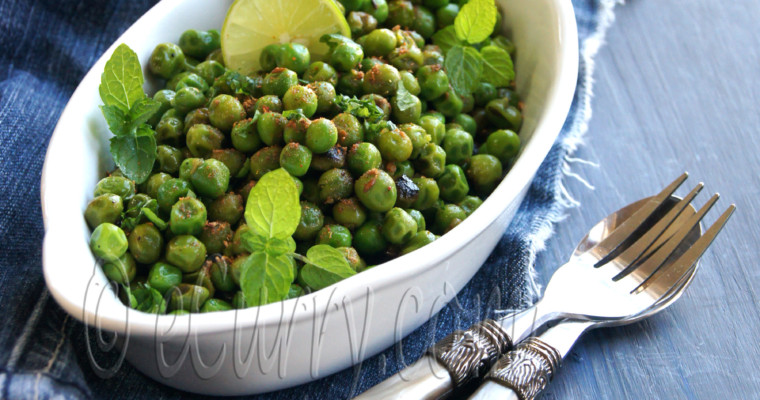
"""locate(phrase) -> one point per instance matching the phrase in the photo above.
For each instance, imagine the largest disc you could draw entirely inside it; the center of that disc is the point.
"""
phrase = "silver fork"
(463, 355)
(526, 371)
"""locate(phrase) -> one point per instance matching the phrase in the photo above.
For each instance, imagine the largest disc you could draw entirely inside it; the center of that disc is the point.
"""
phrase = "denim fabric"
(46, 46)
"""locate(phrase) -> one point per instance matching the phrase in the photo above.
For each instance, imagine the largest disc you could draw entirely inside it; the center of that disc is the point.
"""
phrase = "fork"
(526, 371)
(640, 239)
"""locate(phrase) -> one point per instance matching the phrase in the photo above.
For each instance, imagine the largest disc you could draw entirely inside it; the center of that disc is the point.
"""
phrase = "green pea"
(398, 226)
(419, 240)
(504, 145)
(212, 305)
(352, 256)
(399, 169)
(227, 208)
(484, 94)
(410, 82)
(448, 217)
(432, 55)
(211, 178)
(407, 191)
(245, 136)
(108, 242)
(311, 221)
(270, 127)
(169, 159)
(401, 13)
(117, 185)
(188, 79)
(224, 111)
(350, 83)
(188, 297)
(293, 56)
(335, 184)
(265, 160)
(188, 166)
(301, 97)
(458, 145)
(154, 182)
(186, 253)
(418, 136)
(269, 103)
(353, 5)
(435, 4)
(445, 15)
(395, 145)
(484, 172)
(295, 130)
(381, 79)
(279, 81)
(236, 246)
(233, 159)
(377, 8)
(146, 243)
(321, 71)
(164, 276)
(418, 217)
(335, 236)
(434, 128)
(187, 99)
(209, 70)
(187, 217)
(503, 115)
(424, 22)
(350, 130)
(220, 273)
(170, 129)
(449, 104)
(380, 42)
(170, 192)
(349, 213)
(369, 241)
(121, 270)
(345, 56)
(166, 60)
(295, 159)
(164, 98)
(363, 157)
(470, 204)
(238, 301)
(215, 236)
(410, 112)
(431, 161)
(335, 157)
(199, 43)
(202, 139)
(104, 208)
(321, 135)
(197, 116)
(453, 184)
(376, 190)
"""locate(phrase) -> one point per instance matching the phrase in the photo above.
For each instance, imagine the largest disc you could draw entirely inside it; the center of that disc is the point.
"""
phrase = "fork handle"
(459, 358)
(526, 371)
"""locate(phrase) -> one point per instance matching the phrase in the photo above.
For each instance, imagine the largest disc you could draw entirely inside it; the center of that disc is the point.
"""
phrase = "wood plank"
(677, 89)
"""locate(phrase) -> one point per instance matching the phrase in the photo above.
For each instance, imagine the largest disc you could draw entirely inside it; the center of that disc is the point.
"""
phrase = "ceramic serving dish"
(279, 345)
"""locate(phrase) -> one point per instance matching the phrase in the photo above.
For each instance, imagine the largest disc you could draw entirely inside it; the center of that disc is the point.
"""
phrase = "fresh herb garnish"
(404, 99)
(272, 213)
(464, 64)
(126, 110)
(364, 108)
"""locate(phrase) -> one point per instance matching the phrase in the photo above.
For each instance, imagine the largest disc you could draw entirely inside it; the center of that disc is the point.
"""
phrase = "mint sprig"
(272, 213)
(465, 66)
(360, 108)
(126, 110)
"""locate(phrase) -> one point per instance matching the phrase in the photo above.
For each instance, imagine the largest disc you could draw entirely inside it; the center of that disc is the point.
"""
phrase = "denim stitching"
(20, 345)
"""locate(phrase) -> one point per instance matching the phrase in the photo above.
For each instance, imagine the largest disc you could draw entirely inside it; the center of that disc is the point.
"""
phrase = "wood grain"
(677, 88)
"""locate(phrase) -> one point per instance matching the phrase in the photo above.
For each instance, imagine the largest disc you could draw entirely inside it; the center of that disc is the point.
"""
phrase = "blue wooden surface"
(677, 88)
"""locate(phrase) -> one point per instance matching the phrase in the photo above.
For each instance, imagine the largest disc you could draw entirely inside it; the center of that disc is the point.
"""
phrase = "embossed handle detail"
(468, 354)
(527, 369)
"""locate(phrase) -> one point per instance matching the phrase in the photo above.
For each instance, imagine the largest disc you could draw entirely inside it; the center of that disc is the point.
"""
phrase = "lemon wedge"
(251, 25)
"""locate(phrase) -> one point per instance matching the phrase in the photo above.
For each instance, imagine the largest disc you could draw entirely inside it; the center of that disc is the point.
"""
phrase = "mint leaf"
(365, 108)
(141, 112)
(266, 279)
(497, 66)
(273, 210)
(135, 154)
(464, 67)
(116, 119)
(325, 266)
(404, 99)
(446, 38)
(476, 20)
(122, 79)
(334, 39)
(253, 242)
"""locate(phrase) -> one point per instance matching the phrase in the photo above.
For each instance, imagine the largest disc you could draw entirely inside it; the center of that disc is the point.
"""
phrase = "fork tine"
(623, 232)
(635, 252)
(681, 267)
(642, 271)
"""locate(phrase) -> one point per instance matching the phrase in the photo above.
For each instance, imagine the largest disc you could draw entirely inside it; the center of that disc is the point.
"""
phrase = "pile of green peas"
(373, 195)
